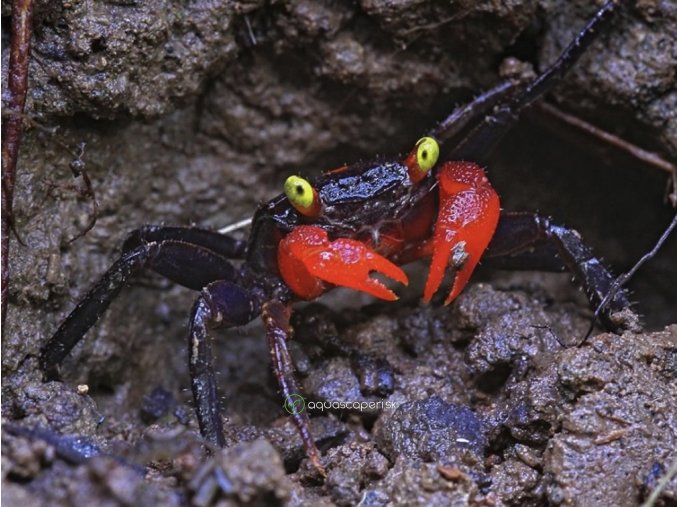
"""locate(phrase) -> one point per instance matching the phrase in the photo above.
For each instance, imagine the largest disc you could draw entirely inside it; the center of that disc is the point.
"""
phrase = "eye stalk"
(422, 158)
(302, 196)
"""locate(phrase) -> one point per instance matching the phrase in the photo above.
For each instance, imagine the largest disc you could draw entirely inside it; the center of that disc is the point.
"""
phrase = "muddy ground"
(194, 112)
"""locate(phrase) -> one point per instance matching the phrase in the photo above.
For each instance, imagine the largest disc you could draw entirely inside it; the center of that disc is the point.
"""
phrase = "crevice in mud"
(98, 45)
(13, 411)
(492, 381)
(535, 434)
(6, 30)
(102, 384)
(500, 442)
(527, 44)
(19, 479)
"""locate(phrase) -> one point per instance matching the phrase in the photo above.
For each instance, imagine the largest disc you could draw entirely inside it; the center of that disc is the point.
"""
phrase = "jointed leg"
(221, 304)
(276, 320)
(221, 244)
(187, 264)
(90, 309)
(528, 241)
(467, 116)
(479, 144)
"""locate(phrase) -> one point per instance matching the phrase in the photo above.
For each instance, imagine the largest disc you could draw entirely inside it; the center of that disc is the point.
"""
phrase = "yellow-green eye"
(300, 193)
(427, 153)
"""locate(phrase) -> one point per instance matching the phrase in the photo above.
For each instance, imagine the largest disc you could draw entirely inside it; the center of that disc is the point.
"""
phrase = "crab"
(338, 229)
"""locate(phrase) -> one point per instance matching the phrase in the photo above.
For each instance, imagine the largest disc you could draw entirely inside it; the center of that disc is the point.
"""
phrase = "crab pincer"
(308, 260)
(468, 214)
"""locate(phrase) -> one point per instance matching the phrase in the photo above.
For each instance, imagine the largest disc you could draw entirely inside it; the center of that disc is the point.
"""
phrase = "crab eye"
(427, 153)
(302, 196)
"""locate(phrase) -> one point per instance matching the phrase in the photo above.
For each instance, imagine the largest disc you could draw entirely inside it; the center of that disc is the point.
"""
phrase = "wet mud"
(193, 113)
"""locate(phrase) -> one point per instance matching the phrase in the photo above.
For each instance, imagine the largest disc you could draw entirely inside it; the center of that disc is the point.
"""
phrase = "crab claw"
(308, 260)
(468, 214)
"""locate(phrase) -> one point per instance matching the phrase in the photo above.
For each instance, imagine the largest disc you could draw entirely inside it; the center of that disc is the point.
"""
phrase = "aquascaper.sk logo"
(295, 404)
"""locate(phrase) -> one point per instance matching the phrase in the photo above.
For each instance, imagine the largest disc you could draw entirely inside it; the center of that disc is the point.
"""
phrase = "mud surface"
(193, 112)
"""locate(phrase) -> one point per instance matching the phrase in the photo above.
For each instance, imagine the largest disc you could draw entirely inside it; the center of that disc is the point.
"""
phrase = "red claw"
(468, 214)
(307, 259)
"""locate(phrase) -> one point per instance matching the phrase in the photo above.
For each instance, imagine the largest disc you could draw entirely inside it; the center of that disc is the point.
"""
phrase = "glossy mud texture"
(197, 124)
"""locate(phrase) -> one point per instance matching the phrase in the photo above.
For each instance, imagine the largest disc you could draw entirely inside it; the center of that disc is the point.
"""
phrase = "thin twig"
(648, 157)
(671, 189)
(77, 166)
(252, 37)
(662, 484)
(234, 227)
(17, 87)
(623, 279)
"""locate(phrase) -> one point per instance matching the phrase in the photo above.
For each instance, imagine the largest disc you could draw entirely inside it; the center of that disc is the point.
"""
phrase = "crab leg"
(465, 117)
(467, 218)
(307, 259)
(480, 142)
(275, 317)
(529, 241)
(188, 264)
(221, 304)
(221, 244)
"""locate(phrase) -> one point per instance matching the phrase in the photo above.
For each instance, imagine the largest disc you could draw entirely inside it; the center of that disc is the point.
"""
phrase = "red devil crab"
(337, 229)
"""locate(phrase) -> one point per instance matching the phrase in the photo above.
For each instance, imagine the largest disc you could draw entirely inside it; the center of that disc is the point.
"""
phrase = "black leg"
(465, 117)
(221, 244)
(527, 241)
(275, 317)
(221, 304)
(189, 265)
(479, 144)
